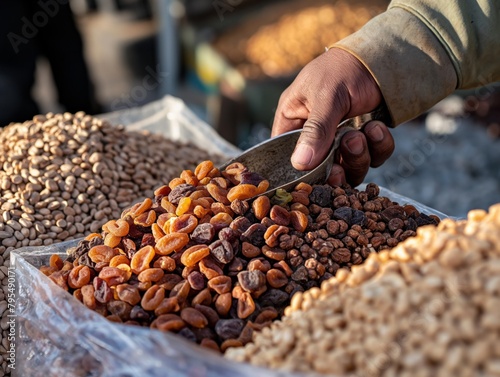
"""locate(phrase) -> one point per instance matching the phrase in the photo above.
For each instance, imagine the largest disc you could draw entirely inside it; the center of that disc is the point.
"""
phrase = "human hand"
(332, 87)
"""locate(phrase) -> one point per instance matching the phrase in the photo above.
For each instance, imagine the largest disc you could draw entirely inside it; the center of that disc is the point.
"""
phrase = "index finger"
(290, 114)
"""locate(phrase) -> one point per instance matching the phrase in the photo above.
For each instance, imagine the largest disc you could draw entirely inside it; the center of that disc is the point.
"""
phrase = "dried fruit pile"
(200, 260)
(285, 37)
(428, 307)
(65, 175)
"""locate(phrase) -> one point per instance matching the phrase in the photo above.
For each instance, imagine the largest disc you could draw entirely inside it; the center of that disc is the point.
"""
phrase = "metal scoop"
(271, 158)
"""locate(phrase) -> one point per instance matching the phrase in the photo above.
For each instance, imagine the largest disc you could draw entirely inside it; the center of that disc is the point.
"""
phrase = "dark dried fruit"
(251, 281)
(358, 218)
(222, 251)
(254, 235)
(321, 195)
(179, 192)
(139, 314)
(203, 233)
(102, 292)
(229, 328)
(196, 280)
(344, 213)
(275, 298)
(240, 225)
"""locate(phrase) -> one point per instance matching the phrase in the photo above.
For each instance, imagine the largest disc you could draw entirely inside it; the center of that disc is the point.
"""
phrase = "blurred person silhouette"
(30, 29)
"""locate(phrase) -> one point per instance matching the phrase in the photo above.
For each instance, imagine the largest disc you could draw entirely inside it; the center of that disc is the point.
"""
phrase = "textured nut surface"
(434, 295)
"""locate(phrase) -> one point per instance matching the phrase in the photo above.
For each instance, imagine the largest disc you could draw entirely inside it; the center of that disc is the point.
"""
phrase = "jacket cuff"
(409, 64)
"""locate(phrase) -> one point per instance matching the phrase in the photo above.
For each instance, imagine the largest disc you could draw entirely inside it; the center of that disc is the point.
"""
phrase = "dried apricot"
(101, 253)
(218, 193)
(141, 259)
(171, 242)
(143, 207)
(118, 228)
(151, 274)
(183, 224)
(194, 254)
(152, 297)
(128, 293)
(183, 206)
(261, 207)
(79, 276)
(112, 240)
(203, 169)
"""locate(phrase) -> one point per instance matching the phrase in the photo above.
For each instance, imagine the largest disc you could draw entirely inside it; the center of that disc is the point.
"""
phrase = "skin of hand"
(333, 87)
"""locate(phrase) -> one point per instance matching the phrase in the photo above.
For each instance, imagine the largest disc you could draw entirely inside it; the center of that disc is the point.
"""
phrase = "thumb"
(317, 136)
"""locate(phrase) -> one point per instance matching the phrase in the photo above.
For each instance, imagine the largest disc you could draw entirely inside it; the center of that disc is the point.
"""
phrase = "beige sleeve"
(420, 51)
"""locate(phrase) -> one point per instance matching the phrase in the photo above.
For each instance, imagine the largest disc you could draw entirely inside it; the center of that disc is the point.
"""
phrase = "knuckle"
(315, 130)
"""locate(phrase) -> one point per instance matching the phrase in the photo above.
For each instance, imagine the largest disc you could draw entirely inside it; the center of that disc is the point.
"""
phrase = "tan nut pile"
(289, 35)
(428, 307)
(63, 176)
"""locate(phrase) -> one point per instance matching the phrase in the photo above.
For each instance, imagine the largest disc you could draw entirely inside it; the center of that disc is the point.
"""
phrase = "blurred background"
(229, 60)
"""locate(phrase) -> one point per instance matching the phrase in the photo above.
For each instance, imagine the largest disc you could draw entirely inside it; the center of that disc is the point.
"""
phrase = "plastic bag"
(57, 336)
(171, 117)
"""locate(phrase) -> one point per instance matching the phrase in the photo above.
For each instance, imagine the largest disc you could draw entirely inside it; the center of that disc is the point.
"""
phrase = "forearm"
(419, 53)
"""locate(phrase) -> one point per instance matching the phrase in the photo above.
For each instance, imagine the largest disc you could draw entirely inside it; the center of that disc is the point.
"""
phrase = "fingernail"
(336, 176)
(376, 133)
(355, 145)
(302, 155)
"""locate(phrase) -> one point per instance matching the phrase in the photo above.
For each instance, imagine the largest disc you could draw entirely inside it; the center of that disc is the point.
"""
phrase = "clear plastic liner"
(58, 336)
(171, 117)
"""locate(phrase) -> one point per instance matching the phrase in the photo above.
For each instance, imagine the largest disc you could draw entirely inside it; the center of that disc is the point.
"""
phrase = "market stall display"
(199, 260)
(318, 279)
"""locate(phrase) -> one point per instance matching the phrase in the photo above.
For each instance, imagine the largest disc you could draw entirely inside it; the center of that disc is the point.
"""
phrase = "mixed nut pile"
(65, 175)
(428, 307)
(206, 259)
(290, 35)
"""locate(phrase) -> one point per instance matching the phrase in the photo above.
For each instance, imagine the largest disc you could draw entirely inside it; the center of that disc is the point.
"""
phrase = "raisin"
(344, 213)
(196, 280)
(251, 178)
(275, 298)
(179, 192)
(251, 280)
(203, 233)
(393, 212)
(187, 334)
(254, 235)
(229, 328)
(129, 247)
(321, 195)
(240, 207)
(147, 240)
(222, 251)
(102, 292)
(358, 218)
(119, 308)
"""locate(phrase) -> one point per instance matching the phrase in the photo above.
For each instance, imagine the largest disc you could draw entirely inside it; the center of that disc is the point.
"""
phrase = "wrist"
(406, 60)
